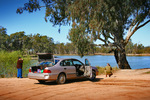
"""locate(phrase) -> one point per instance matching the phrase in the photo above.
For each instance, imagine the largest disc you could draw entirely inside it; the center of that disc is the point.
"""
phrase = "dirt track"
(123, 85)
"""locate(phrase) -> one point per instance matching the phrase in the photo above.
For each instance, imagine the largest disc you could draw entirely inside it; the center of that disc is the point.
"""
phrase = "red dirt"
(123, 85)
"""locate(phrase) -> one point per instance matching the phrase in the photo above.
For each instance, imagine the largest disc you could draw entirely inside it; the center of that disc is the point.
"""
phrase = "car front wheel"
(61, 79)
(93, 76)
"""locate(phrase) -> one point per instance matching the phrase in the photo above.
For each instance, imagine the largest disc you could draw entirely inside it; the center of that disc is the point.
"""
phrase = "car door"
(68, 68)
(79, 67)
(88, 68)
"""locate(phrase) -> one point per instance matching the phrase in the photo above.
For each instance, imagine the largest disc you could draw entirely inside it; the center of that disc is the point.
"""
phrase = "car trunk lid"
(45, 57)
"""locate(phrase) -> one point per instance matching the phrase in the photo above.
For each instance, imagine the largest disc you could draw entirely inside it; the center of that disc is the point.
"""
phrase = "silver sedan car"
(62, 69)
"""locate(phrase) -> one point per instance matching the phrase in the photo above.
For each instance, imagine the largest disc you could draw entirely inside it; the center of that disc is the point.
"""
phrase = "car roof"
(60, 59)
(65, 59)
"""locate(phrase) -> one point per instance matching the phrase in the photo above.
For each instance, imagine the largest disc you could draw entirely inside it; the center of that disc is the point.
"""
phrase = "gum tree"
(112, 22)
(3, 39)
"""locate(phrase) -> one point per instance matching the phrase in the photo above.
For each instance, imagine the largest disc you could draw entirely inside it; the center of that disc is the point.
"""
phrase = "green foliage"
(8, 62)
(25, 43)
(147, 49)
(100, 69)
(16, 40)
(132, 48)
(60, 48)
(42, 43)
(147, 72)
(26, 65)
(80, 39)
(3, 38)
(129, 47)
(103, 49)
(69, 48)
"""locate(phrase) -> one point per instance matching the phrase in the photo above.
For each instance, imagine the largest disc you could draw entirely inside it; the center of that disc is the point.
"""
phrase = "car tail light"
(46, 71)
(29, 70)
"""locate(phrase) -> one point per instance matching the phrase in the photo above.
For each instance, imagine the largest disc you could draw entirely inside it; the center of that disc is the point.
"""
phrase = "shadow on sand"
(70, 81)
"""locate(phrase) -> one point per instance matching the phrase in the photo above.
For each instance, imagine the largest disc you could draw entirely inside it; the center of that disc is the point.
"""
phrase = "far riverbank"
(34, 57)
(126, 54)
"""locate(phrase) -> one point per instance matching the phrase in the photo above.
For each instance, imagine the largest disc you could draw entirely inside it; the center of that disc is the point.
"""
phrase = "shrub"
(102, 69)
(8, 62)
(147, 72)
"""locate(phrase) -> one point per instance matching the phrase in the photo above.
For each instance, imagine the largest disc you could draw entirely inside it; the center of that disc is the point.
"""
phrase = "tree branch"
(109, 44)
(111, 38)
(102, 40)
(143, 24)
(130, 33)
(134, 30)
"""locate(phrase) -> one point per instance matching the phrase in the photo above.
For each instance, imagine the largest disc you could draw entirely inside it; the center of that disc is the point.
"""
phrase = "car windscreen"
(76, 62)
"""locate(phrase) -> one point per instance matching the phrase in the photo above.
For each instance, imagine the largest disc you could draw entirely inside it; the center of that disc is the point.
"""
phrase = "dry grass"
(147, 72)
(102, 69)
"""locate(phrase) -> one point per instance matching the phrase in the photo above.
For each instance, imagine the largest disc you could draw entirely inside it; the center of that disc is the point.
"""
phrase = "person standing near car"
(108, 70)
(19, 67)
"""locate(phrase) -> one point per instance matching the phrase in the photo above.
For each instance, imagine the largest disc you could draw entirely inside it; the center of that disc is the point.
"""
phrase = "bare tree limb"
(102, 40)
(111, 38)
(109, 44)
(143, 24)
(130, 32)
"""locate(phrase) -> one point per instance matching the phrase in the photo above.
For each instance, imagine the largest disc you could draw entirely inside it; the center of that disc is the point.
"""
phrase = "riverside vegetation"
(31, 44)
(8, 62)
(102, 69)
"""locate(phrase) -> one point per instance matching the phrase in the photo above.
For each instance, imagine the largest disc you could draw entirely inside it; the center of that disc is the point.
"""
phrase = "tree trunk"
(120, 56)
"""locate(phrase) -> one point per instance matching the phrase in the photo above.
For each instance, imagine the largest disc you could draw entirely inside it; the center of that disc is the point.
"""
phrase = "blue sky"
(35, 23)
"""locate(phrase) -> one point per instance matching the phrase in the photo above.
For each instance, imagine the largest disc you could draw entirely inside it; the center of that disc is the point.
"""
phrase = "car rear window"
(48, 64)
(56, 61)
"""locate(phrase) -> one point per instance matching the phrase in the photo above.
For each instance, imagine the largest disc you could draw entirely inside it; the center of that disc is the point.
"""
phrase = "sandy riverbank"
(123, 85)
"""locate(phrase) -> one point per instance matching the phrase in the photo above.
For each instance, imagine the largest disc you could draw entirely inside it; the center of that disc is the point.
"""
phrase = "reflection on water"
(136, 62)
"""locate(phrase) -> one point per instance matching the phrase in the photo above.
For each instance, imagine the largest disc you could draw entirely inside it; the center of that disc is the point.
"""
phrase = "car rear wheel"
(61, 79)
(41, 81)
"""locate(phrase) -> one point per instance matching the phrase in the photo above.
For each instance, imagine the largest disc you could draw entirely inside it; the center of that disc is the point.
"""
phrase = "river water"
(136, 62)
